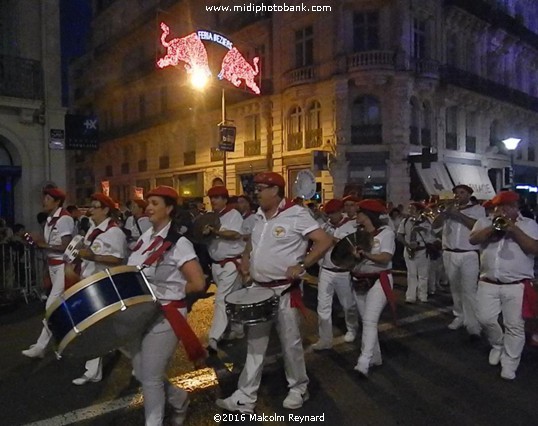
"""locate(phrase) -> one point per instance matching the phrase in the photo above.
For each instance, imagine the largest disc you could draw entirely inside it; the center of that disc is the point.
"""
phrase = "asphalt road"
(430, 376)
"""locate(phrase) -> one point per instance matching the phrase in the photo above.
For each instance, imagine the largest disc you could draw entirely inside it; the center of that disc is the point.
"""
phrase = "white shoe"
(213, 345)
(494, 356)
(295, 399)
(362, 369)
(456, 323)
(34, 351)
(85, 379)
(507, 374)
(321, 346)
(350, 337)
(230, 405)
(180, 413)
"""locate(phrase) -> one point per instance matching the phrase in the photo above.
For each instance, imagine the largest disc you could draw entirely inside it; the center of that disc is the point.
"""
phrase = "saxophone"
(412, 238)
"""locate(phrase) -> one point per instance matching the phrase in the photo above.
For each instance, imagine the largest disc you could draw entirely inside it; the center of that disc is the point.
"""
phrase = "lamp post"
(511, 145)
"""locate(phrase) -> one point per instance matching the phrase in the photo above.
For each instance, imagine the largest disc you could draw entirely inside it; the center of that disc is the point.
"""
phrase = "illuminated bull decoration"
(188, 49)
(236, 68)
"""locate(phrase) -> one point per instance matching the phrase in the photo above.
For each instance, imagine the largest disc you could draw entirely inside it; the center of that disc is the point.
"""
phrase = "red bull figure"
(236, 68)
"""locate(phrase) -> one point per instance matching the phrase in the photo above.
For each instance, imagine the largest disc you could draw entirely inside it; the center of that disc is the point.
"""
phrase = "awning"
(435, 179)
(474, 176)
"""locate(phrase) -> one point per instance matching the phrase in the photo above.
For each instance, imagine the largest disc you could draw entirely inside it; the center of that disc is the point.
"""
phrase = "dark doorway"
(9, 175)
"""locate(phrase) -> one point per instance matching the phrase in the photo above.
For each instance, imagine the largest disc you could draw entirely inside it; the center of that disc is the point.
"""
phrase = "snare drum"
(102, 312)
(252, 305)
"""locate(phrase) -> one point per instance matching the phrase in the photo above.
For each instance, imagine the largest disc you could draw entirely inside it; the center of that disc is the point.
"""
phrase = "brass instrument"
(500, 223)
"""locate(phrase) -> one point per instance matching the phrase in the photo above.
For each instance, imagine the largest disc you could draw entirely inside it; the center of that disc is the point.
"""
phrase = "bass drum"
(102, 312)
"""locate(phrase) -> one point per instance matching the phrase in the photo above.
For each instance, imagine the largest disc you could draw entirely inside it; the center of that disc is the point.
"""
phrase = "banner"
(105, 187)
(81, 132)
(227, 138)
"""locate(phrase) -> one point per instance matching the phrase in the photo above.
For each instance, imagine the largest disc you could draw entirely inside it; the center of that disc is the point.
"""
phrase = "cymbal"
(342, 254)
(212, 219)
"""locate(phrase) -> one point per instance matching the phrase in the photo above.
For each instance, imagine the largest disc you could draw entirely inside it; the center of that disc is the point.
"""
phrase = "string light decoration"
(236, 68)
(188, 49)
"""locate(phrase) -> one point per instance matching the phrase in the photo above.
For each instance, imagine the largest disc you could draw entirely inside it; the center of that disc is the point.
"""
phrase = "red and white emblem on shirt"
(279, 231)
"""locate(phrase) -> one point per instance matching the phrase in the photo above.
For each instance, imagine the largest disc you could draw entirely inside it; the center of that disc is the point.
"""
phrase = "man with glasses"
(275, 257)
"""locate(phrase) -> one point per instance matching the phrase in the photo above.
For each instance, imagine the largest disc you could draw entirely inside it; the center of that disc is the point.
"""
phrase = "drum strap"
(384, 280)
(195, 351)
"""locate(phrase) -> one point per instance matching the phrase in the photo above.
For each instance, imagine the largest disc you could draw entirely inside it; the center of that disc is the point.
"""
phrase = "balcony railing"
(470, 81)
(300, 75)
(217, 154)
(253, 148)
(425, 67)
(20, 78)
(373, 59)
(314, 138)
(189, 158)
(295, 141)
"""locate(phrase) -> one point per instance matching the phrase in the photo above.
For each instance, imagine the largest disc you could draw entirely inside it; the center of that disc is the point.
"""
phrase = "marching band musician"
(172, 271)
(244, 207)
(275, 258)
(506, 271)
(372, 280)
(138, 222)
(460, 257)
(415, 233)
(350, 206)
(333, 279)
(225, 250)
(58, 232)
(105, 245)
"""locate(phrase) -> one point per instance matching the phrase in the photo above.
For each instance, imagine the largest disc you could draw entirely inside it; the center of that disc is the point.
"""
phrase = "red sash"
(235, 260)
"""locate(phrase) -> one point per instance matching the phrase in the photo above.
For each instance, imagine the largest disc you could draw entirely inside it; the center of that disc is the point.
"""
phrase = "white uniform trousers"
(330, 282)
(370, 306)
(508, 299)
(287, 326)
(462, 274)
(94, 368)
(435, 274)
(151, 356)
(57, 278)
(228, 279)
(417, 276)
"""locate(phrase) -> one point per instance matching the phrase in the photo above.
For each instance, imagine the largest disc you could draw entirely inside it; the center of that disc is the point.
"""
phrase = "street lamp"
(511, 144)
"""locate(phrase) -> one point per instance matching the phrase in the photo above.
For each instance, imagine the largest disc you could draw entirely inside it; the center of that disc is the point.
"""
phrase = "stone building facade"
(387, 87)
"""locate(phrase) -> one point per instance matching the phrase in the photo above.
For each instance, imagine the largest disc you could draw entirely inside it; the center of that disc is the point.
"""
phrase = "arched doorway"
(9, 175)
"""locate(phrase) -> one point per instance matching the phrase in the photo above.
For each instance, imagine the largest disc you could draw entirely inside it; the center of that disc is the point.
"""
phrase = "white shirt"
(383, 243)
(504, 260)
(111, 242)
(422, 231)
(456, 234)
(164, 275)
(279, 242)
(143, 222)
(248, 224)
(220, 248)
(64, 226)
(343, 229)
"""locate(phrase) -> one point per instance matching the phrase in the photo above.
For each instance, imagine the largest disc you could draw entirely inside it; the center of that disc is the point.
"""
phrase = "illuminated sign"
(190, 49)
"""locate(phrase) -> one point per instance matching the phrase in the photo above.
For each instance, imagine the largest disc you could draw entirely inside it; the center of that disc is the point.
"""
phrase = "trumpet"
(500, 223)
(444, 205)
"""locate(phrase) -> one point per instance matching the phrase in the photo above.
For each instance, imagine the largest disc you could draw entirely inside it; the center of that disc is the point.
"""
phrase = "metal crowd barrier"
(21, 271)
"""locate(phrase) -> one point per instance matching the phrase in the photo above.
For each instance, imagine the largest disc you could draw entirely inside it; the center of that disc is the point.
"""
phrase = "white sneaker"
(34, 351)
(230, 405)
(295, 399)
(350, 337)
(456, 323)
(85, 379)
(321, 346)
(508, 374)
(494, 356)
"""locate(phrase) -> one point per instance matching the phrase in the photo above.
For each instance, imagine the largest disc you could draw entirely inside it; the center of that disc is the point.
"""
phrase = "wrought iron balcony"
(300, 76)
(253, 148)
(295, 141)
(314, 138)
(425, 67)
(372, 59)
(217, 154)
(20, 78)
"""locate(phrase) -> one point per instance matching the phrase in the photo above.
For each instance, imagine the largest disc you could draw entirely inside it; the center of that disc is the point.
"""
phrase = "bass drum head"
(249, 296)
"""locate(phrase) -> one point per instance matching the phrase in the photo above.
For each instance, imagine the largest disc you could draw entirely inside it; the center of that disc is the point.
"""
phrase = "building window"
(494, 138)
(414, 128)
(295, 126)
(260, 53)
(365, 31)
(451, 128)
(124, 168)
(419, 39)
(366, 124)
(533, 139)
(427, 125)
(452, 50)
(252, 144)
(314, 134)
(164, 99)
(304, 47)
(142, 165)
(164, 162)
(470, 132)
(109, 171)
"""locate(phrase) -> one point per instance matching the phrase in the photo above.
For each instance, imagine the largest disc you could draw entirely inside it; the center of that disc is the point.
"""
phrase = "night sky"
(75, 18)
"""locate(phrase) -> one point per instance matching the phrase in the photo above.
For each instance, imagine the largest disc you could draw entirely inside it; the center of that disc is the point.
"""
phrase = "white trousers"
(330, 282)
(287, 326)
(435, 274)
(462, 273)
(492, 300)
(150, 356)
(57, 277)
(417, 276)
(94, 368)
(228, 279)
(370, 306)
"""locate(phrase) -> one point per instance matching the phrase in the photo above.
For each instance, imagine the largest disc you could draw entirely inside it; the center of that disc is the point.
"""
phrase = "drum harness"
(195, 351)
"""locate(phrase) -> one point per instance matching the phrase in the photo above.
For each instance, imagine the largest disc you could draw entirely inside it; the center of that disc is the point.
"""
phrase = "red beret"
(270, 178)
(417, 205)
(505, 197)
(487, 204)
(353, 198)
(141, 203)
(164, 191)
(333, 206)
(464, 187)
(105, 200)
(218, 191)
(373, 205)
(55, 193)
